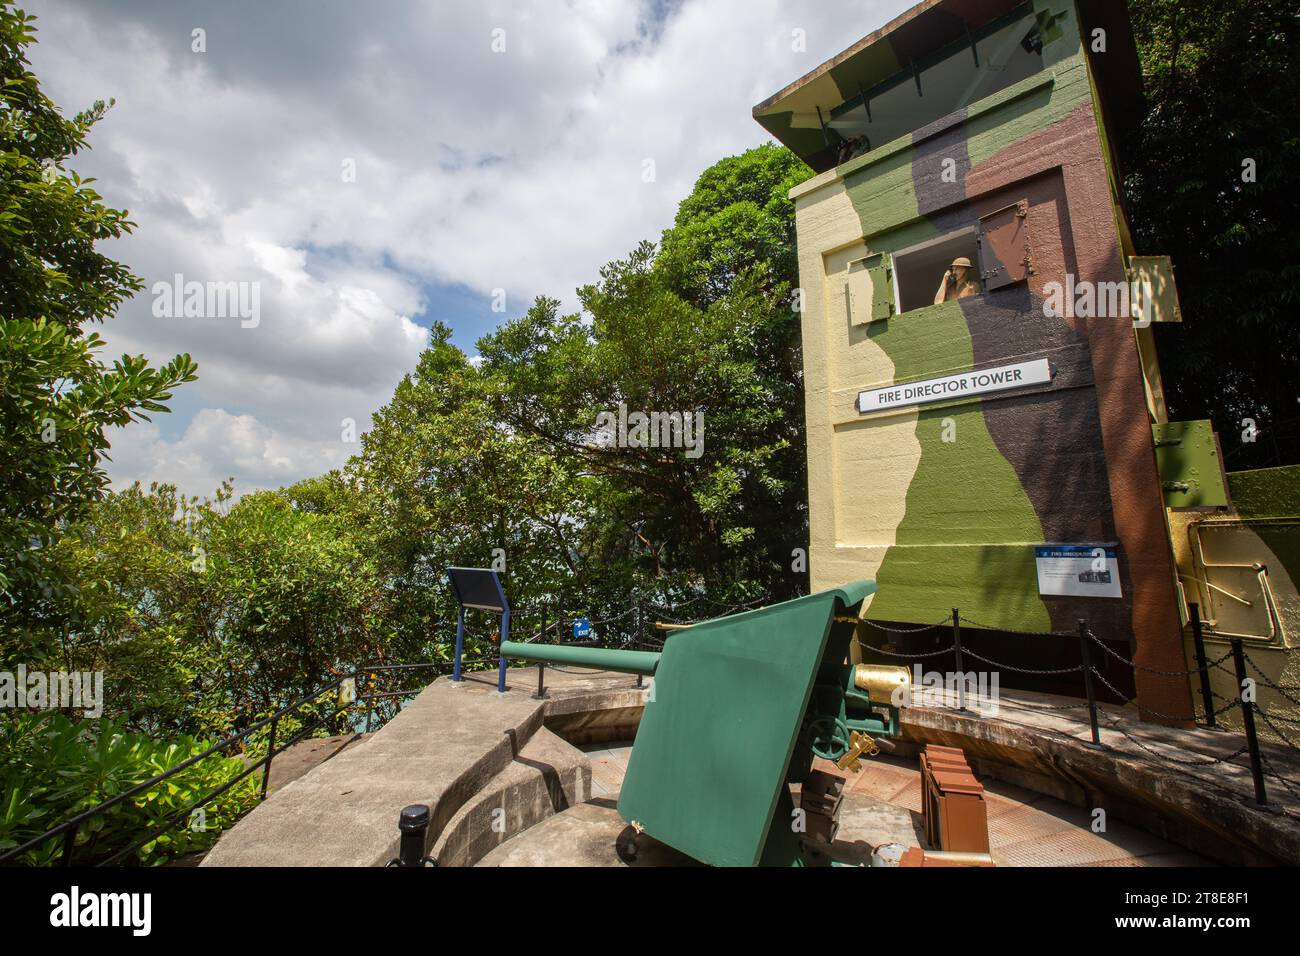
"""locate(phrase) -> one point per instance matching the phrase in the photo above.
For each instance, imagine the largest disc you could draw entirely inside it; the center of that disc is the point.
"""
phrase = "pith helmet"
(961, 262)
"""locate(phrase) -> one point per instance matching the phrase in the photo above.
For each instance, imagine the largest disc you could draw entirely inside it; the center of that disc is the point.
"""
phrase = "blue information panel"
(581, 628)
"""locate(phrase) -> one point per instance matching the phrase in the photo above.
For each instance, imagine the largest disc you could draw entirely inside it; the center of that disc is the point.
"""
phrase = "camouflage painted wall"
(953, 523)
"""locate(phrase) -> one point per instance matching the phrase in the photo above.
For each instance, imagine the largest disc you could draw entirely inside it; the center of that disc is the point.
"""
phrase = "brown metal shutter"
(1004, 246)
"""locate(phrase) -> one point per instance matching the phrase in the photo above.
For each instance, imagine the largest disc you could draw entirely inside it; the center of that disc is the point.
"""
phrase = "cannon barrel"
(597, 658)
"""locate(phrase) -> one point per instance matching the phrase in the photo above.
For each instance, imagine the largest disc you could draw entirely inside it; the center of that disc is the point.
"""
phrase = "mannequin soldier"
(957, 282)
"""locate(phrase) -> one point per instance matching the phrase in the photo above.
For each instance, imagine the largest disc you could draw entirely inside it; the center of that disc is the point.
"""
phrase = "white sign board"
(976, 382)
(1077, 570)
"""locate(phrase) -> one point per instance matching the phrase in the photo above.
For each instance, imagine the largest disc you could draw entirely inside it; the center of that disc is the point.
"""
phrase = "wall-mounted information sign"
(1077, 570)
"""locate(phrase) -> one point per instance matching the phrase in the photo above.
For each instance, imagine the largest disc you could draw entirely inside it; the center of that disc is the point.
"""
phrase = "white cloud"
(519, 170)
(217, 445)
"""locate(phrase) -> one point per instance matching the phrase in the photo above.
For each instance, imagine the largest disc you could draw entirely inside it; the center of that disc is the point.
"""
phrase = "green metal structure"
(739, 707)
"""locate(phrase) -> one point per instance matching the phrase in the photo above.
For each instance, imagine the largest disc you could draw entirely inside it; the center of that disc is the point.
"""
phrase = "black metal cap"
(414, 817)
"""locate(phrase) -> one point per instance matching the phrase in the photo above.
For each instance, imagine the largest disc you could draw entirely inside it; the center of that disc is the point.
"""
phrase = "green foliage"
(738, 219)
(446, 482)
(703, 324)
(1221, 85)
(55, 768)
(57, 396)
(206, 616)
(299, 599)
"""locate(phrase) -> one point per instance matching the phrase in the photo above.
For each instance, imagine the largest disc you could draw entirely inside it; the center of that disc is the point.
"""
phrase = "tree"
(57, 397)
(205, 615)
(442, 480)
(705, 324)
(1211, 184)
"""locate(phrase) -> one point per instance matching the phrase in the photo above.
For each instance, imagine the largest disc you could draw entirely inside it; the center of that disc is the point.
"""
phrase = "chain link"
(906, 630)
(1210, 762)
(1265, 679)
(1268, 768)
(1151, 670)
(1235, 702)
(1022, 670)
(916, 656)
(1144, 709)
(989, 627)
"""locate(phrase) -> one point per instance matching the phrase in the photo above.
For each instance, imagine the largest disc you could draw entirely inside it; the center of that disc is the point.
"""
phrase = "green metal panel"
(869, 289)
(599, 658)
(709, 768)
(882, 290)
(1191, 468)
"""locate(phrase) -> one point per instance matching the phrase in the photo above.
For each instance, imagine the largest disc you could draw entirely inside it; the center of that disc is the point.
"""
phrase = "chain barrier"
(1133, 700)
(988, 627)
(1286, 783)
(1022, 670)
(1113, 721)
(1151, 670)
(946, 622)
(917, 656)
(1209, 762)
(1268, 683)
(1273, 727)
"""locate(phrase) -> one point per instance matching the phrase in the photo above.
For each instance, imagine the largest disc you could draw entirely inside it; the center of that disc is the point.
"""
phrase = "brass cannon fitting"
(881, 680)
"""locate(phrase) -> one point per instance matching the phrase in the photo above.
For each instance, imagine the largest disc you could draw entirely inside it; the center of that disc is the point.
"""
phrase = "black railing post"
(541, 681)
(640, 634)
(270, 755)
(1248, 719)
(1085, 659)
(414, 827)
(69, 842)
(961, 668)
(1207, 695)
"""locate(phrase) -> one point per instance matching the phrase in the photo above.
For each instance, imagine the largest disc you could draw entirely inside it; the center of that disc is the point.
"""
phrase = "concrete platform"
(1182, 785)
(881, 805)
(592, 834)
(307, 755)
(547, 777)
(494, 766)
(444, 748)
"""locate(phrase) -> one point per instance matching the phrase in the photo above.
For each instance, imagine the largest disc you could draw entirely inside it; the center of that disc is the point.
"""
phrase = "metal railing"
(234, 745)
(369, 698)
(1091, 675)
(623, 629)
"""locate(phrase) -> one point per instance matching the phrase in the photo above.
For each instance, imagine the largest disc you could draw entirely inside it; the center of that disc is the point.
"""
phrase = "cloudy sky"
(375, 167)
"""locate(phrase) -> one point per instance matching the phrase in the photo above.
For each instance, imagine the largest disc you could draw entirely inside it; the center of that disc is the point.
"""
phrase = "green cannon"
(739, 707)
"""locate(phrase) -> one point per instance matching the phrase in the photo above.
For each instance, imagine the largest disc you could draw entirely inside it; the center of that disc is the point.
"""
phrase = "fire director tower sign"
(976, 382)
